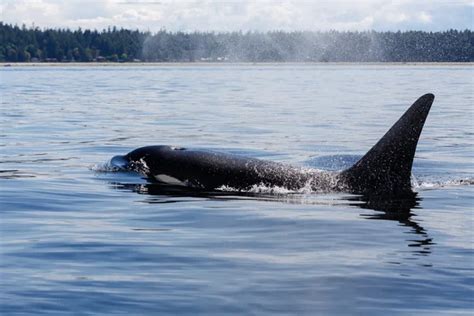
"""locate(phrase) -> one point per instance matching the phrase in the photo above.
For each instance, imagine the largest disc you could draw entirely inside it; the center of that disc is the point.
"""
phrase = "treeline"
(22, 44)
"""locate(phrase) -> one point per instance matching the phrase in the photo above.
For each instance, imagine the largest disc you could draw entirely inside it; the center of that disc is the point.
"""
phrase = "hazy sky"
(228, 15)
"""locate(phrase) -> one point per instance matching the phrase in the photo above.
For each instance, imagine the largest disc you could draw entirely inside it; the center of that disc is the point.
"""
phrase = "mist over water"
(79, 237)
(305, 46)
(275, 46)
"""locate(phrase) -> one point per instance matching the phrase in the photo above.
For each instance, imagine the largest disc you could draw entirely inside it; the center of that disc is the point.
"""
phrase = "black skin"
(210, 170)
(384, 171)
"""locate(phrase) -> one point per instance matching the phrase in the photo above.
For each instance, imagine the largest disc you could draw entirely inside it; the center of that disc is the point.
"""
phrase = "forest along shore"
(230, 64)
(22, 44)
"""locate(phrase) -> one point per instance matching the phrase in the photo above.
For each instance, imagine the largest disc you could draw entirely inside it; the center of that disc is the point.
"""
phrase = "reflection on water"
(399, 210)
(14, 174)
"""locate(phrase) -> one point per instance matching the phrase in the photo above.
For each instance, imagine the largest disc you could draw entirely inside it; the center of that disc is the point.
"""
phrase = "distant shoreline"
(135, 64)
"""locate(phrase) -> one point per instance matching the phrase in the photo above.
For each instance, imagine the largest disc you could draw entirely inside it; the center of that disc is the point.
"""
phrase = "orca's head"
(120, 162)
(143, 159)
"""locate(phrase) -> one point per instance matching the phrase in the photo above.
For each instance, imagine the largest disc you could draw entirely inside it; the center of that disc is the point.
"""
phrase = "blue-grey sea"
(77, 238)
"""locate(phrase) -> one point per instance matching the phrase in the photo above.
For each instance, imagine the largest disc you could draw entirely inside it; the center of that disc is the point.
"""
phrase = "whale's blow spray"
(275, 46)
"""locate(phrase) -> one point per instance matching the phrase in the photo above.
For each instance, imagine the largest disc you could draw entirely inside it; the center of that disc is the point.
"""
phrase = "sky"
(245, 15)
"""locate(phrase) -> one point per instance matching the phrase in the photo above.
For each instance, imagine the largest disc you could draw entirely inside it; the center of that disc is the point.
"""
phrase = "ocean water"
(79, 239)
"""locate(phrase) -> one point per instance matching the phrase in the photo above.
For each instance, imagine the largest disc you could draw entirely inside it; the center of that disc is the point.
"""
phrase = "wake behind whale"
(384, 171)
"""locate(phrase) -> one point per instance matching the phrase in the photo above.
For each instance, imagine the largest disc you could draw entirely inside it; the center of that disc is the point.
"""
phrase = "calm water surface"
(78, 239)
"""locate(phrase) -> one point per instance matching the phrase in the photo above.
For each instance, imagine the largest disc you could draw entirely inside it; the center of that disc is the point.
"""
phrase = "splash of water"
(418, 183)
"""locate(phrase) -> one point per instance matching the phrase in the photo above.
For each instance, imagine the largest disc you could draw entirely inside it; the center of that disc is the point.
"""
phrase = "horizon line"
(35, 27)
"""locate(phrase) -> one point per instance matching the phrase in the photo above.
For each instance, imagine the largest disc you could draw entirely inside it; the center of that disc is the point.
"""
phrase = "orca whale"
(385, 170)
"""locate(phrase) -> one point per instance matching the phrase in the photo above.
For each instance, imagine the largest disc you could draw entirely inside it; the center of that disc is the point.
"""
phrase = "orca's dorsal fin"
(386, 169)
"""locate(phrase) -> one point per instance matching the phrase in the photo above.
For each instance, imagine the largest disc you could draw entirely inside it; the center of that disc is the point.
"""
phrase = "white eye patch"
(169, 180)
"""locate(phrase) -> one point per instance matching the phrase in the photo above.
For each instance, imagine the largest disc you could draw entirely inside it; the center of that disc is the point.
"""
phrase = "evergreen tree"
(22, 44)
